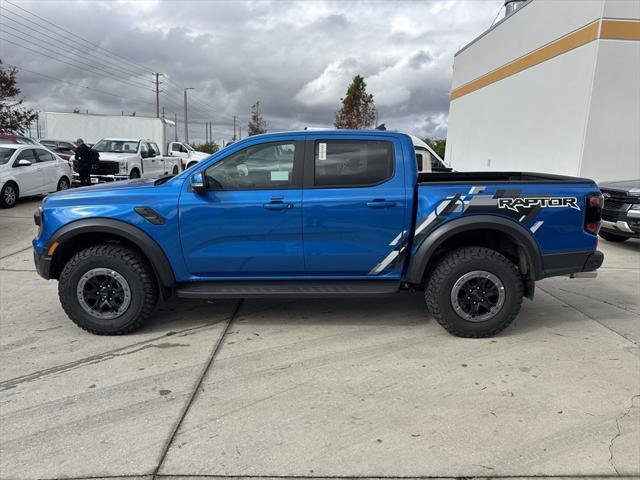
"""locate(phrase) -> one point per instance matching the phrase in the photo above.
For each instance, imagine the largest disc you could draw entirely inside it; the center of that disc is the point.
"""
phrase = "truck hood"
(630, 187)
(117, 156)
(107, 187)
(200, 155)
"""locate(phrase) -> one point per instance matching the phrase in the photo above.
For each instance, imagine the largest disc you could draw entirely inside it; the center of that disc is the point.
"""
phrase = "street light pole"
(186, 120)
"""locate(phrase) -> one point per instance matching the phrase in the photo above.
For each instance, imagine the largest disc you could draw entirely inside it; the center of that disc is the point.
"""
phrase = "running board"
(286, 289)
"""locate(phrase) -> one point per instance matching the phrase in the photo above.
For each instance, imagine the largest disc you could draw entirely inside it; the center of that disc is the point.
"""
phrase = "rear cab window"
(352, 163)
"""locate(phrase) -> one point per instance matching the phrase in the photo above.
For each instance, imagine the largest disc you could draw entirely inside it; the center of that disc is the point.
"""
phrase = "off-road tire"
(134, 174)
(452, 267)
(612, 237)
(190, 165)
(3, 201)
(128, 263)
(63, 184)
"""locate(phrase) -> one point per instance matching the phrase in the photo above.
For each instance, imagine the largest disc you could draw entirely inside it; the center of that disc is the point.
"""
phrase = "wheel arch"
(480, 230)
(80, 234)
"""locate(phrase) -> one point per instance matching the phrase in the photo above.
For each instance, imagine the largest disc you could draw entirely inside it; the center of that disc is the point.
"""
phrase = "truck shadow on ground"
(401, 310)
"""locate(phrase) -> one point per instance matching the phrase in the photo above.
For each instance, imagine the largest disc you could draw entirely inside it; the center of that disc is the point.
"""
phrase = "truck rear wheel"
(474, 292)
(108, 289)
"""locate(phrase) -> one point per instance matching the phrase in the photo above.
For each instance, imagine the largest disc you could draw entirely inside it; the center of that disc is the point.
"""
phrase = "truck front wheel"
(108, 289)
(474, 292)
(134, 173)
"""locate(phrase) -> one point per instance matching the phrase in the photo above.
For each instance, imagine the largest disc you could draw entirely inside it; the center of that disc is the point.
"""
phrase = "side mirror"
(197, 182)
(23, 163)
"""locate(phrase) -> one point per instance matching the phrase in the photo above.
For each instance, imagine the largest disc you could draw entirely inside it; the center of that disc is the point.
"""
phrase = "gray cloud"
(297, 58)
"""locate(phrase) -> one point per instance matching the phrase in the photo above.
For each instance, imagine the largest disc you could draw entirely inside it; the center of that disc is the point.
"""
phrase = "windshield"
(189, 147)
(5, 154)
(116, 146)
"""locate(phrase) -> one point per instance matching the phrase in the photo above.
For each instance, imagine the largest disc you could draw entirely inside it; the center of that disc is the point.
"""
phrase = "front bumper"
(100, 178)
(43, 264)
(626, 227)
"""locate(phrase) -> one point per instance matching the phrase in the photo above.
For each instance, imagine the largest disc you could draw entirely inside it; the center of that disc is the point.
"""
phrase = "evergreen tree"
(358, 110)
(257, 124)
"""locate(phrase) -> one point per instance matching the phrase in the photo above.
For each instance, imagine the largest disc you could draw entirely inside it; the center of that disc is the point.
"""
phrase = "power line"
(71, 64)
(75, 35)
(22, 69)
(85, 50)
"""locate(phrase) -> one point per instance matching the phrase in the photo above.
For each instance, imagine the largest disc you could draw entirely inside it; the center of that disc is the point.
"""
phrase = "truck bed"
(501, 177)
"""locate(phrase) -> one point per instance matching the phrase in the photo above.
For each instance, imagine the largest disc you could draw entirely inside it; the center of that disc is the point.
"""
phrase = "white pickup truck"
(187, 155)
(122, 159)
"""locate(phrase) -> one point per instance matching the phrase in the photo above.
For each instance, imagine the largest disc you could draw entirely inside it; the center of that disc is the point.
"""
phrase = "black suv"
(621, 213)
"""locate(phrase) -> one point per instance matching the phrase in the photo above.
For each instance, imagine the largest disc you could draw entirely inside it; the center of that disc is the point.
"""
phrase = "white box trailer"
(92, 127)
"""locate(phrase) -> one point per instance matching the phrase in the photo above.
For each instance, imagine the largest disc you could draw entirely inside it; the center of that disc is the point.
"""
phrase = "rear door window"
(154, 149)
(44, 156)
(352, 163)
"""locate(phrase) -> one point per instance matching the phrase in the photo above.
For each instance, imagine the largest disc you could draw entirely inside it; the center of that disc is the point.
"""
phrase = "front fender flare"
(520, 236)
(147, 245)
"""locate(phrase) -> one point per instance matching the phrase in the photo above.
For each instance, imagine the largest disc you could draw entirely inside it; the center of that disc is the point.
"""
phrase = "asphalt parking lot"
(350, 388)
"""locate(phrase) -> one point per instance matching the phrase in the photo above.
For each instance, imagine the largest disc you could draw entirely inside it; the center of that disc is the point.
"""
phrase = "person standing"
(84, 156)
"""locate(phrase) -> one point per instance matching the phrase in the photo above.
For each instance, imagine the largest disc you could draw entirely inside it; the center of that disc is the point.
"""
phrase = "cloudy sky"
(297, 58)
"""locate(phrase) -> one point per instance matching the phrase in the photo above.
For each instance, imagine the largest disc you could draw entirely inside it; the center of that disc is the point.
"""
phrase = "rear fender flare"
(521, 237)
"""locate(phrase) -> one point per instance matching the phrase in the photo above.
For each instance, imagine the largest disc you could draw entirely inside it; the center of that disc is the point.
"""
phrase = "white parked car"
(30, 170)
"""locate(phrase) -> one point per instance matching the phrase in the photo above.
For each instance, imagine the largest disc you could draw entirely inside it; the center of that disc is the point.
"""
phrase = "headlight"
(635, 206)
(38, 219)
(123, 167)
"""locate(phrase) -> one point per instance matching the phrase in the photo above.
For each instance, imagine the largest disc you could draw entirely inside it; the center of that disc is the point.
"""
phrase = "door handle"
(278, 206)
(380, 203)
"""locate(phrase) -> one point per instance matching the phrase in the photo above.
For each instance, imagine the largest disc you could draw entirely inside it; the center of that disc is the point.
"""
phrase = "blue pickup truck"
(317, 214)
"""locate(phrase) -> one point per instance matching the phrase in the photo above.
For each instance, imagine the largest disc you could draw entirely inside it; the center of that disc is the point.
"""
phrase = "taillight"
(593, 214)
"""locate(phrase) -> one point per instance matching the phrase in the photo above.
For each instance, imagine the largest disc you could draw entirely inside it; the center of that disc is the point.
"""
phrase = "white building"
(554, 87)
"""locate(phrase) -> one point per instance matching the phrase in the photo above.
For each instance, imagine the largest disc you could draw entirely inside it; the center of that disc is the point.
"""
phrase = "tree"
(358, 110)
(257, 125)
(14, 117)
(207, 147)
(438, 145)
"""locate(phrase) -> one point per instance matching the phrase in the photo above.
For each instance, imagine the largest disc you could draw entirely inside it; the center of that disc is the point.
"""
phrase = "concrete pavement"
(349, 388)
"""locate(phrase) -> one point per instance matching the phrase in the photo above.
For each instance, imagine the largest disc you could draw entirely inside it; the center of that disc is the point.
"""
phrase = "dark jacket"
(84, 155)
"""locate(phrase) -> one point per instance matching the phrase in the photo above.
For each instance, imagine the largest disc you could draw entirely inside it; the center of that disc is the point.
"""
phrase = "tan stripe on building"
(606, 28)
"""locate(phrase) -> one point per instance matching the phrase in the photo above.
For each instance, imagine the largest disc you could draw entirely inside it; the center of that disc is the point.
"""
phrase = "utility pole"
(186, 120)
(158, 83)
(206, 132)
(240, 132)
(211, 132)
(175, 123)
(234, 128)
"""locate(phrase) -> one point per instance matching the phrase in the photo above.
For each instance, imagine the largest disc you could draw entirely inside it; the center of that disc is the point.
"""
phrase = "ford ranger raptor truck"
(317, 214)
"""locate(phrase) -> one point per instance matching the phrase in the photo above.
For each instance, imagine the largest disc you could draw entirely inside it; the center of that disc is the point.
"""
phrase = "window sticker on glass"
(322, 151)
(280, 176)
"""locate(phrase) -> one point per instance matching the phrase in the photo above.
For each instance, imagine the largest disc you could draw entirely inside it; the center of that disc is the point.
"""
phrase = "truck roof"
(336, 131)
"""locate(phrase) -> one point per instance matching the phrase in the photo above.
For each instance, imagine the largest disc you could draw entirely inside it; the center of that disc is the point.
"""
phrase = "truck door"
(355, 207)
(248, 222)
(157, 160)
